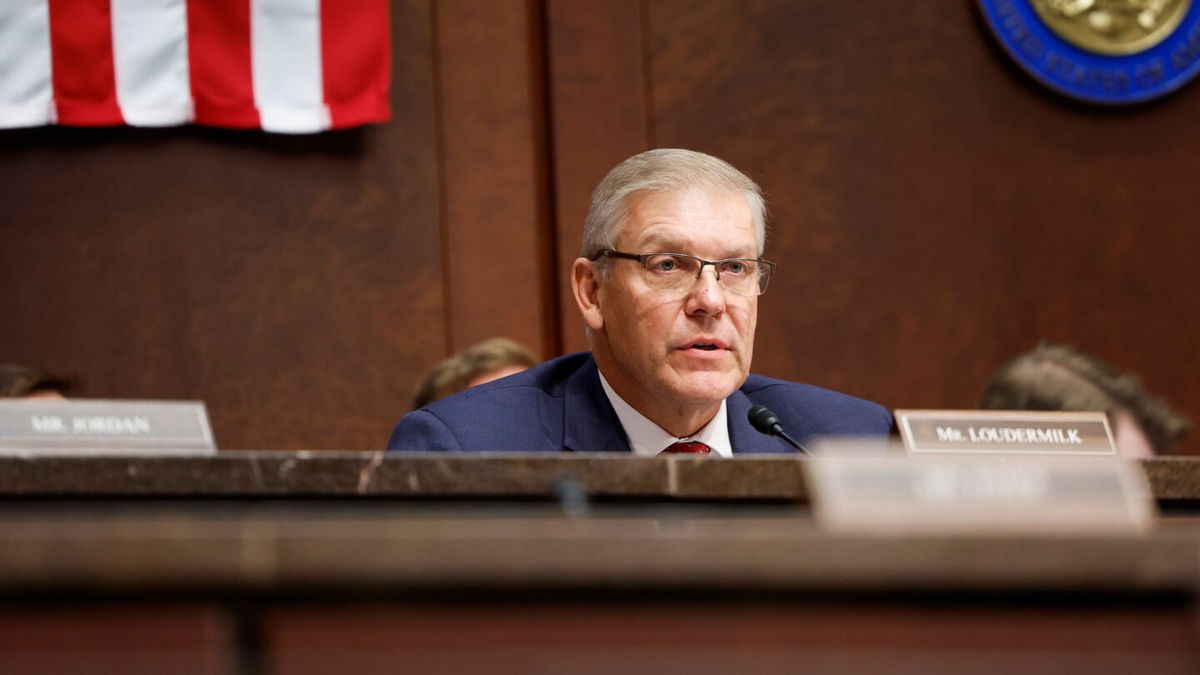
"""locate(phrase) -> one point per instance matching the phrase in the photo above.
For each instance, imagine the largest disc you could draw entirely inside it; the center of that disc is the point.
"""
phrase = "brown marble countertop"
(262, 521)
(453, 475)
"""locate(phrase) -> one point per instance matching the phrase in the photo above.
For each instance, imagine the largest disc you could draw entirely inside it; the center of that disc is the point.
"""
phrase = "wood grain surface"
(934, 213)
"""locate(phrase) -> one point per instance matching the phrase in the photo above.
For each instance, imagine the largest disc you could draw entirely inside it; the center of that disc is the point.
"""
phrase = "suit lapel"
(744, 437)
(589, 421)
(591, 424)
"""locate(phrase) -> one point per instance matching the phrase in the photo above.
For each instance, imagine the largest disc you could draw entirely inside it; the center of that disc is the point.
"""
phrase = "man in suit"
(668, 287)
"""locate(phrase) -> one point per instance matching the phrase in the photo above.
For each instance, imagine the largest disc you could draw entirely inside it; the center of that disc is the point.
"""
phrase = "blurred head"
(483, 362)
(671, 345)
(21, 382)
(1058, 377)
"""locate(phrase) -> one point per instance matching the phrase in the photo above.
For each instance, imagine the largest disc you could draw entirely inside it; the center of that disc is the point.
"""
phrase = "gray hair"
(662, 170)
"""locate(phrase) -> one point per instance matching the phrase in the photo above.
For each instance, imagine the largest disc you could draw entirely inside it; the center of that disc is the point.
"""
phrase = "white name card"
(1005, 431)
(47, 426)
(980, 494)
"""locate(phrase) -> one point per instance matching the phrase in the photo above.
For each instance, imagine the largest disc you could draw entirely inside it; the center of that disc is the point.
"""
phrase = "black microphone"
(765, 421)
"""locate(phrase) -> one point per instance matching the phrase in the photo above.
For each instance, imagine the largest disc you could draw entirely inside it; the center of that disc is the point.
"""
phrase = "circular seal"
(1101, 51)
(1112, 26)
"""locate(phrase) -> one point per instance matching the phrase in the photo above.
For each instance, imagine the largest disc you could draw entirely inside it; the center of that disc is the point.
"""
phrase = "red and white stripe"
(290, 66)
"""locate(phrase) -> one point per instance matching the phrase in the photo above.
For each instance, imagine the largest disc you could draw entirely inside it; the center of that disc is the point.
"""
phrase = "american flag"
(290, 66)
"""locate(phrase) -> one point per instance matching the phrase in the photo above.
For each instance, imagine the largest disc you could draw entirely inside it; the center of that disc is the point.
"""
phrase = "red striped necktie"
(688, 448)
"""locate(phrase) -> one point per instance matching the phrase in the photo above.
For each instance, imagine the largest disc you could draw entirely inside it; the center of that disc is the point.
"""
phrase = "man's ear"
(585, 282)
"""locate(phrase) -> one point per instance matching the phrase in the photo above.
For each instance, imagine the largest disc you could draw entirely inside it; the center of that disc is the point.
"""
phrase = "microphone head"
(763, 419)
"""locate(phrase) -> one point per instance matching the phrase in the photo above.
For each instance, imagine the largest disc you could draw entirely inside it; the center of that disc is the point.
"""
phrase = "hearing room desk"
(357, 562)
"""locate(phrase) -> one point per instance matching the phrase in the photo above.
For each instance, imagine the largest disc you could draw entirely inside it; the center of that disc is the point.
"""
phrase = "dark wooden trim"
(494, 188)
(598, 117)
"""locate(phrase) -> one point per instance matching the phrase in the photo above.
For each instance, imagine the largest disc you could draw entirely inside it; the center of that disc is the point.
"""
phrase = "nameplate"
(136, 427)
(980, 494)
(1003, 431)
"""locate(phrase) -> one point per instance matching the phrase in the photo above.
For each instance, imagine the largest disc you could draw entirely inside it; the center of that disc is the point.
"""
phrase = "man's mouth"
(706, 345)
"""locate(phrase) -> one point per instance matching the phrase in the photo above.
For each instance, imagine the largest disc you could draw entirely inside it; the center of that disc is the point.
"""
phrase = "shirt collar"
(647, 439)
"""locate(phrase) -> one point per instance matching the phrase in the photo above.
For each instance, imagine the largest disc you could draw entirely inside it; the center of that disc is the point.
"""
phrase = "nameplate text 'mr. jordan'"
(138, 427)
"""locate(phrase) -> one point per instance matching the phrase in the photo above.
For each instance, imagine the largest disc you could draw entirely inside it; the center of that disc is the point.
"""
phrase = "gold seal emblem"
(1112, 26)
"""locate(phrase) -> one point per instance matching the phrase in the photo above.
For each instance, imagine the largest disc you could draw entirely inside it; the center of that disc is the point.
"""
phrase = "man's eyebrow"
(666, 244)
(743, 253)
(663, 244)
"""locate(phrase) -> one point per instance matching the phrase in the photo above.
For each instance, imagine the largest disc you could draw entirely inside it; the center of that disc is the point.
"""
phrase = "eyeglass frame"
(642, 257)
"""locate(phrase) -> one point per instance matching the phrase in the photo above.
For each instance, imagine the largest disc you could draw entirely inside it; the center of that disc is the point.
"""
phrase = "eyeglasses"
(679, 272)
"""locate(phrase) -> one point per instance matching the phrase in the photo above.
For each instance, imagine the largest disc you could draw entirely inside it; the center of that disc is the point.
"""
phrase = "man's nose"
(706, 296)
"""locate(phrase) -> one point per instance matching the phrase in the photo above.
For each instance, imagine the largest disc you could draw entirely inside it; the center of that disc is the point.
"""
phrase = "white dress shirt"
(648, 439)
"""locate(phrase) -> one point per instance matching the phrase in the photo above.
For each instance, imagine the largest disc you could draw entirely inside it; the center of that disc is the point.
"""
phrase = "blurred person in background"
(22, 382)
(1059, 377)
(489, 360)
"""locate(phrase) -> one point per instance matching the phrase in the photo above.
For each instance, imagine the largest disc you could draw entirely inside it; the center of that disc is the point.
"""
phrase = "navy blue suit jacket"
(560, 406)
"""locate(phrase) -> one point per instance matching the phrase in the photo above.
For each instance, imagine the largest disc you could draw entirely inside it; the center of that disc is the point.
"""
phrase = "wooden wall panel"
(292, 282)
(934, 212)
(655, 635)
(495, 198)
(110, 638)
(599, 117)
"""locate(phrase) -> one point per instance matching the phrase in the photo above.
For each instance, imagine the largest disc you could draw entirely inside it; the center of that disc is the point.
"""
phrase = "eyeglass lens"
(677, 271)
